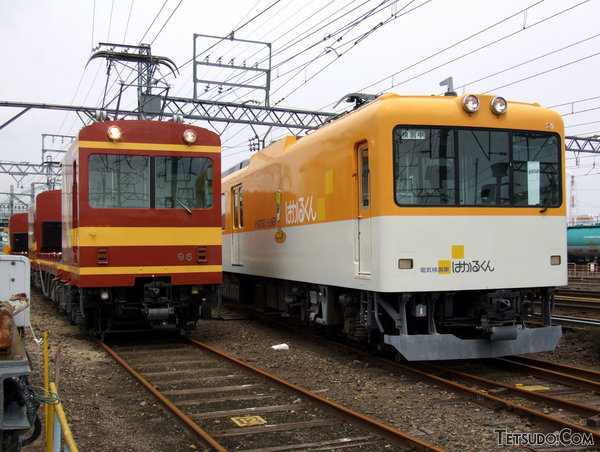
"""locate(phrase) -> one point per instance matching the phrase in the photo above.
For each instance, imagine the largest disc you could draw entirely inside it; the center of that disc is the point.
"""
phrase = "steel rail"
(578, 371)
(480, 397)
(576, 320)
(165, 402)
(576, 303)
(552, 375)
(366, 422)
(579, 408)
(490, 400)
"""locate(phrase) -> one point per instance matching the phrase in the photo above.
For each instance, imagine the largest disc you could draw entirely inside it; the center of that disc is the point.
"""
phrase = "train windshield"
(133, 181)
(184, 182)
(476, 167)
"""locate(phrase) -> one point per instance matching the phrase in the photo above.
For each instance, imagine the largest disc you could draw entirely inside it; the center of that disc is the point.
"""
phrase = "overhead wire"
(199, 54)
(337, 35)
(344, 30)
(561, 66)
(214, 95)
(154, 20)
(231, 34)
(166, 22)
(531, 60)
(112, 5)
(356, 41)
(128, 19)
(293, 41)
(455, 44)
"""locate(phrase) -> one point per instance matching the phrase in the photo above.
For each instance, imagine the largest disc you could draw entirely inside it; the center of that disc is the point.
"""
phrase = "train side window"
(238, 201)
(223, 211)
(364, 177)
(241, 207)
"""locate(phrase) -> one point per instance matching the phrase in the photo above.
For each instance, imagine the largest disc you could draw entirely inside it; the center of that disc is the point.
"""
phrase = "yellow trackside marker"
(444, 267)
(246, 421)
(329, 182)
(321, 209)
(532, 387)
(458, 251)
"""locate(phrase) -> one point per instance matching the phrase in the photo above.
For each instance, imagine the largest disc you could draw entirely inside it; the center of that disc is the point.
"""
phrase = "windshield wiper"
(187, 209)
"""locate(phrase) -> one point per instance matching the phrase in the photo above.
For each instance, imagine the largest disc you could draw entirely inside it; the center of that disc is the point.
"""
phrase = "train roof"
(441, 108)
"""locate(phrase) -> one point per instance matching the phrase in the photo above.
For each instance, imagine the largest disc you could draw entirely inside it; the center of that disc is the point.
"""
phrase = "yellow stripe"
(148, 146)
(55, 264)
(156, 269)
(151, 236)
(90, 271)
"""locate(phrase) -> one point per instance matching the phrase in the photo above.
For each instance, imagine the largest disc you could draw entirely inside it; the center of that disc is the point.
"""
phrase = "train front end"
(141, 229)
(467, 226)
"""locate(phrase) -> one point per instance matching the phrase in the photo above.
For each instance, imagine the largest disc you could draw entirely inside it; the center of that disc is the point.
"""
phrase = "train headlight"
(105, 295)
(554, 260)
(114, 133)
(189, 136)
(498, 105)
(470, 103)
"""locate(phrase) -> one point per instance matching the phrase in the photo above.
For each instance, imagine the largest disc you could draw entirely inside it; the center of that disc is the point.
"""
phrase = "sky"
(532, 51)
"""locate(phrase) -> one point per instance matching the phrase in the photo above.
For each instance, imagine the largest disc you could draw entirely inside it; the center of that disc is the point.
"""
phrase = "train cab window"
(238, 210)
(119, 181)
(184, 182)
(484, 165)
(536, 169)
(475, 167)
(134, 181)
(424, 172)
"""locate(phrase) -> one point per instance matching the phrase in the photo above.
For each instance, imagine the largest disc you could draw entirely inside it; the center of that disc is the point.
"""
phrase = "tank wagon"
(140, 240)
(422, 223)
(583, 242)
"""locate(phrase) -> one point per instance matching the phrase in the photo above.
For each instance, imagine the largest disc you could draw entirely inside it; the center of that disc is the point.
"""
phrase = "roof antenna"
(449, 84)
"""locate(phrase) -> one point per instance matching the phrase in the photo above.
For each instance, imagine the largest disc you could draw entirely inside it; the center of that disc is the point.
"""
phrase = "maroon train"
(133, 240)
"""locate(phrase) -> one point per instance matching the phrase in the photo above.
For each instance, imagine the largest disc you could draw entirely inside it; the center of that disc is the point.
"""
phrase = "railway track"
(541, 405)
(231, 405)
(577, 420)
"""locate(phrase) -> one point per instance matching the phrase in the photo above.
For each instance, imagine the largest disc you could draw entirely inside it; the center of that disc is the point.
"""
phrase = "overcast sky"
(548, 54)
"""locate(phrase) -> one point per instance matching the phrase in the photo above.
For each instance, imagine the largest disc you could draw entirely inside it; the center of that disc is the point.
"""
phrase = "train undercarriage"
(151, 304)
(420, 326)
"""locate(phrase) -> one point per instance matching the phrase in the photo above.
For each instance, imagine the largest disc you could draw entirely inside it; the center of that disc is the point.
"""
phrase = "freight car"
(583, 243)
(133, 240)
(427, 224)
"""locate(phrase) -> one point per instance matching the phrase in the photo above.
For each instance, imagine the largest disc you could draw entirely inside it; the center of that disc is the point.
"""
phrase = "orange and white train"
(133, 240)
(426, 223)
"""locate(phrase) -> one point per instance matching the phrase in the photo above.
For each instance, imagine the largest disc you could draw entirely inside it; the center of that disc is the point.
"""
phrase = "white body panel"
(511, 251)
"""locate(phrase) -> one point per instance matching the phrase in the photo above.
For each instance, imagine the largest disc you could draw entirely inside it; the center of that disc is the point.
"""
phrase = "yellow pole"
(49, 411)
(62, 418)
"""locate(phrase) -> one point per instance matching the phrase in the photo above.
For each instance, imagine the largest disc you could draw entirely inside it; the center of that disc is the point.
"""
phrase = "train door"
(237, 195)
(363, 229)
